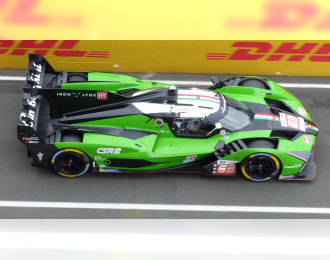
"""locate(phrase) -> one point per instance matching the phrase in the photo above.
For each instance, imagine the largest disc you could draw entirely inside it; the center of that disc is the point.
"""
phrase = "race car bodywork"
(77, 121)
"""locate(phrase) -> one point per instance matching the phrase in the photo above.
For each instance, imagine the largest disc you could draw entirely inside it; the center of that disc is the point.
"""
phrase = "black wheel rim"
(261, 167)
(70, 164)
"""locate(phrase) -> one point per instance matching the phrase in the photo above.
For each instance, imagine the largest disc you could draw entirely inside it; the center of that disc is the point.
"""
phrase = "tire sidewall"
(248, 158)
(57, 155)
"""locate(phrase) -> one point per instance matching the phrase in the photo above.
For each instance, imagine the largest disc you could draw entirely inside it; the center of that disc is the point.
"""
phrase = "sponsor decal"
(108, 150)
(164, 132)
(109, 170)
(32, 102)
(31, 114)
(99, 158)
(292, 166)
(224, 167)
(31, 140)
(64, 94)
(307, 139)
(38, 67)
(107, 162)
(76, 94)
(182, 109)
(40, 155)
(190, 158)
(291, 121)
(302, 111)
(24, 122)
(236, 157)
(223, 132)
(287, 176)
(36, 78)
(266, 117)
(102, 95)
(226, 162)
(265, 51)
(226, 136)
(102, 165)
(47, 47)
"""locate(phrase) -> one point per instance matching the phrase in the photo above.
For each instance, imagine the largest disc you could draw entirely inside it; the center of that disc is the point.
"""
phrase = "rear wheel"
(70, 163)
(254, 83)
(260, 167)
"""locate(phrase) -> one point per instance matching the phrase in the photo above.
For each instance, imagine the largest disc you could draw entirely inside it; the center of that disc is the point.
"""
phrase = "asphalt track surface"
(19, 181)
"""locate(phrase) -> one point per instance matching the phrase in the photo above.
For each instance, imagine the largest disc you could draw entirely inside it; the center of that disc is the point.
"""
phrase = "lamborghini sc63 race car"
(74, 122)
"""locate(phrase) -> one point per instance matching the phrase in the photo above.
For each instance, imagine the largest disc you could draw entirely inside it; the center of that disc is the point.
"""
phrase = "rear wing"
(38, 67)
(44, 101)
(35, 79)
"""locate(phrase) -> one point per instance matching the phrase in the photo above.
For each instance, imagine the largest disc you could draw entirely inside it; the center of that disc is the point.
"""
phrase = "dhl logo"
(63, 49)
(288, 51)
(286, 15)
(23, 12)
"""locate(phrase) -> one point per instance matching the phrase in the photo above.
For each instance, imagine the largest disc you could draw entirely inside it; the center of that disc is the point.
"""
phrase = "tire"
(70, 163)
(77, 77)
(253, 83)
(261, 143)
(260, 167)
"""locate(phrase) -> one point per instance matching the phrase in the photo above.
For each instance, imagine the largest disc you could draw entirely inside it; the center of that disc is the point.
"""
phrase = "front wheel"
(260, 167)
(70, 162)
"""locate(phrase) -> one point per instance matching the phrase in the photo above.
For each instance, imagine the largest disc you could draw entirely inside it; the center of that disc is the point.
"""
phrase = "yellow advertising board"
(294, 58)
(165, 19)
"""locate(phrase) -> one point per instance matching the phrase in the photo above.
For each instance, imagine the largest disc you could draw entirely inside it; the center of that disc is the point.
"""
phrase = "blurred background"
(165, 20)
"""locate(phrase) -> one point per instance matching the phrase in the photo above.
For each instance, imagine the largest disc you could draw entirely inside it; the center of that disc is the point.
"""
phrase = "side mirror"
(215, 80)
(218, 125)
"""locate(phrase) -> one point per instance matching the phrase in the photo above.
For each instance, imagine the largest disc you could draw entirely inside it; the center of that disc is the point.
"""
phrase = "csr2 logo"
(109, 150)
(288, 51)
(53, 47)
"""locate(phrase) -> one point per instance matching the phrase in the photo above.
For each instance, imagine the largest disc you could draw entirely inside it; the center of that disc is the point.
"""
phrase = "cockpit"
(224, 113)
(198, 113)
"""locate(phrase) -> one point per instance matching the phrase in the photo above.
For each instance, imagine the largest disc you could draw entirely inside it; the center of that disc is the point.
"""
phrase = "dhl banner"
(165, 19)
(290, 58)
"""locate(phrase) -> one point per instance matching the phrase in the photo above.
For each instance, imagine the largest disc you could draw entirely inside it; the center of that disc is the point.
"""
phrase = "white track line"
(168, 207)
(198, 83)
(8, 78)
(164, 245)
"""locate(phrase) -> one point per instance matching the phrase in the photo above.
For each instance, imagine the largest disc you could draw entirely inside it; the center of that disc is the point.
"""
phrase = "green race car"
(74, 122)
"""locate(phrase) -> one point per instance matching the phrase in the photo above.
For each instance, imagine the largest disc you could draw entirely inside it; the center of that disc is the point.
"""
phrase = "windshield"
(236, 117)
